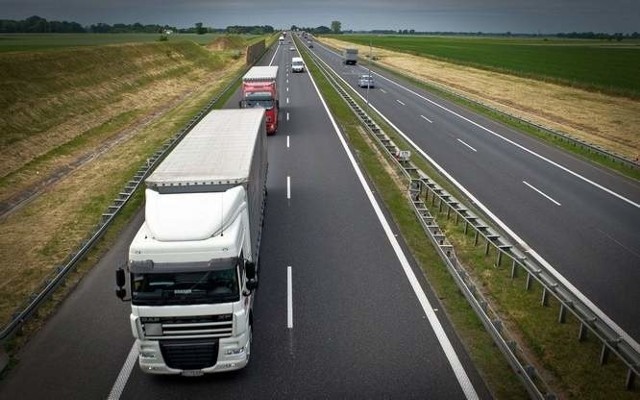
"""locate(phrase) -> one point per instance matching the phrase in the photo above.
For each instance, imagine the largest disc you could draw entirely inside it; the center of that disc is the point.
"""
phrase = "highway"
(360, 321)
(582, 220)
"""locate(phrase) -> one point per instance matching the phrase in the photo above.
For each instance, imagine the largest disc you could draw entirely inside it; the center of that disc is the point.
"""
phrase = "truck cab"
(260, 89)
(193, 264)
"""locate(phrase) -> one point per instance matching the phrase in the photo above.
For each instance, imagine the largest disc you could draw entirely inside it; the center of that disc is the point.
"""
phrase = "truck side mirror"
(121, 281)
(252, 284)
(251, 269)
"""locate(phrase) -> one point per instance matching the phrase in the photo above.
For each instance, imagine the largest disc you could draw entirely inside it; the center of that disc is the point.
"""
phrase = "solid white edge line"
(427, 119)
(502, 225)
(274, 55)
(289, 298)
(288, 188)
(541, 193)
(125, 372)
(515, 237)
(521, 147)
(466, 144)
(450, 353)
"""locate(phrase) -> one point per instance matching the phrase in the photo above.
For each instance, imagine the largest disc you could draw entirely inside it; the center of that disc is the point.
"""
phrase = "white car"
(297, 64)
(366, 81)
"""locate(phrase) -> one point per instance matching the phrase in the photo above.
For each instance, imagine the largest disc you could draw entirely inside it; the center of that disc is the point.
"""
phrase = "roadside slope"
(607, 121)
(109, 108)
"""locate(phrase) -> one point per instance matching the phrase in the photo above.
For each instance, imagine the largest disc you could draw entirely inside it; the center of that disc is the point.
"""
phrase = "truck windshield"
(173, 288)
(267, 104)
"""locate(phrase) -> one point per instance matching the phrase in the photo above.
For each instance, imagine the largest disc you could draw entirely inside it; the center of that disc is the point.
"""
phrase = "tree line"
(37, 24)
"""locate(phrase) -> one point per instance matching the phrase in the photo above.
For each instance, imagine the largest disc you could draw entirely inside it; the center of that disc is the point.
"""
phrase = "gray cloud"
(546, 16)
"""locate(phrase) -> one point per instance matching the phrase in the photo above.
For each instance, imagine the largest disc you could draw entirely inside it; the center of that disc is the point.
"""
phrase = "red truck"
(260, 89)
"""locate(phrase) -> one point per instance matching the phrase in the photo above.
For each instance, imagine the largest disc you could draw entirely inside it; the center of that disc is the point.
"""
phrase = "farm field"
(57, 41)
(610, 67)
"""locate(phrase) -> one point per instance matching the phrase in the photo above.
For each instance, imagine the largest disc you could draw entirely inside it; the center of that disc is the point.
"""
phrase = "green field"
(56, 41)
(611, 67)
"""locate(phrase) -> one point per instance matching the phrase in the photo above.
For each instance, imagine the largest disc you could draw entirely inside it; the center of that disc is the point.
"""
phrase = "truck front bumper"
(232, 355)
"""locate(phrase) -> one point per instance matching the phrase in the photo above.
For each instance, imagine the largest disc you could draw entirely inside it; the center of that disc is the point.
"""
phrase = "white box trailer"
(193, 263)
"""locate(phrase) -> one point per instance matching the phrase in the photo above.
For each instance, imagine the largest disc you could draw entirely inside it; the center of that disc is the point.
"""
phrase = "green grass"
(605, 66)
(11, 42)
(573, 365)
(522, 126)
(491, 364)
(39, 90)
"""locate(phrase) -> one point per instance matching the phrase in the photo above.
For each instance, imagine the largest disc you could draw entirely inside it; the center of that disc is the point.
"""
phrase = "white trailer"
(350, 56)
(193, 263)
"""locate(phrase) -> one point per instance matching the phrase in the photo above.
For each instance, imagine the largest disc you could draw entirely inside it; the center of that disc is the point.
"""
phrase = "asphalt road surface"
(582, 220)
(363, 323)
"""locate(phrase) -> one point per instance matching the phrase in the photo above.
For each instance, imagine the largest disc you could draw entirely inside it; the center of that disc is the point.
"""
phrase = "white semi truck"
(193, 264)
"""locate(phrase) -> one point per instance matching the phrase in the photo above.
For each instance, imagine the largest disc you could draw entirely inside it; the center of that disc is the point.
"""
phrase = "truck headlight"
(234, 352)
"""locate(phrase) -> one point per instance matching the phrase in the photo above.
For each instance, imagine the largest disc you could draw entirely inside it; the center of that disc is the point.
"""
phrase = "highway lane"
(357, 329)
(582, 219)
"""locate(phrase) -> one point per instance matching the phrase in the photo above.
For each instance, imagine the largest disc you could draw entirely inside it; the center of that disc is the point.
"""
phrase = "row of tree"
(37, 24)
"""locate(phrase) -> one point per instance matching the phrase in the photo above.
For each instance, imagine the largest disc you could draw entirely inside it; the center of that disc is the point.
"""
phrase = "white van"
(297, 65)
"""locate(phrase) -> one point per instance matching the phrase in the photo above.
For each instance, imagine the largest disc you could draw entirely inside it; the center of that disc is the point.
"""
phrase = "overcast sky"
(517, 16)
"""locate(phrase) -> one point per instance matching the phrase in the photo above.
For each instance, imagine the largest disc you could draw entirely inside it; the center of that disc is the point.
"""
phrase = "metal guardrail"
(421, 187)
(593, 148)
(57, 277)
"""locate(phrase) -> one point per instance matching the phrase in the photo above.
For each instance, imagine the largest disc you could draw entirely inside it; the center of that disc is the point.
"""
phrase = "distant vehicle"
(297, 64)
(365, 81)
(281, 40)
(292, 48)
(350, 56)
(310, 43)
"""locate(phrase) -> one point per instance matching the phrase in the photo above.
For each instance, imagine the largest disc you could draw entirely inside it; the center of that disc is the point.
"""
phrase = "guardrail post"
(527, 285)
(604, 354)
(475, 240)
(514, 269)
(631, 379)
(562, 316)
(582, 334)
(545, 297)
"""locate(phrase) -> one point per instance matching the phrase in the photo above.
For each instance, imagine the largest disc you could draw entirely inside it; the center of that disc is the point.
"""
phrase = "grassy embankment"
(594, 98)
(110, 106)
(569, 366)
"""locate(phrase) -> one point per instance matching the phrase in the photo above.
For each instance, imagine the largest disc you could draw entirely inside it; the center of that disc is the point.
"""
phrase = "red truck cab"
(260, 89)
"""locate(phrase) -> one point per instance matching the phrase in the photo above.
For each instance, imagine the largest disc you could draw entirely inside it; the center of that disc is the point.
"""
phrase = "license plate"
(192, 372)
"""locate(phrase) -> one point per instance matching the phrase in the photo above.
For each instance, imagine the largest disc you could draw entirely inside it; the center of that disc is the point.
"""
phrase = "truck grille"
(200, 327)
(189, 354)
